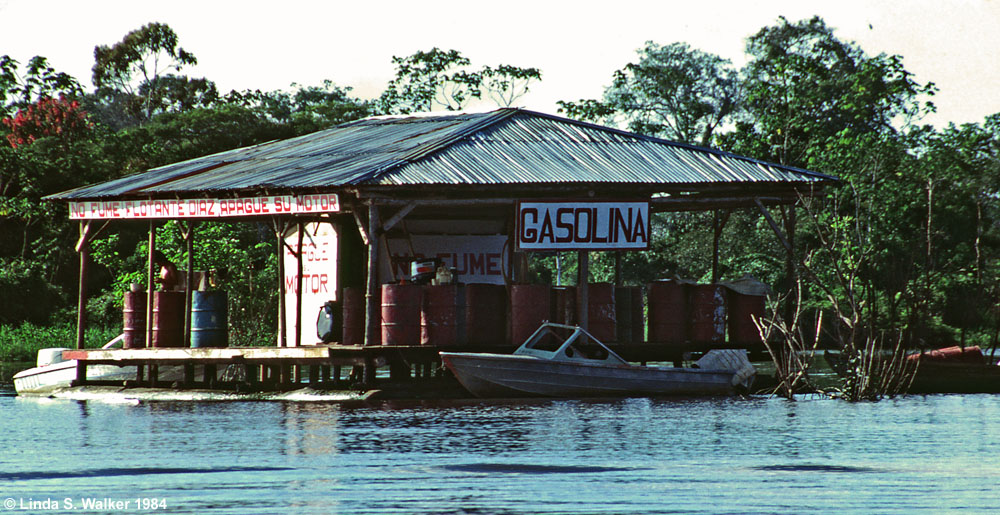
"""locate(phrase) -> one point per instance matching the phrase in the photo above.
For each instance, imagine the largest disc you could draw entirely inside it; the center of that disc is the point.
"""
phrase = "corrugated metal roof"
(502, 147)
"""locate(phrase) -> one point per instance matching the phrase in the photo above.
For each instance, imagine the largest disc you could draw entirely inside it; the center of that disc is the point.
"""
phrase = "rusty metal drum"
(742, 310)
(638, 320)
(168, 318)
(628, 312)
(530, 305)
(441, 315)
(401, 314)
(564, 305)
(706, 313)
(601, 315)
(667, 312)
(134, 319)
(485, 314)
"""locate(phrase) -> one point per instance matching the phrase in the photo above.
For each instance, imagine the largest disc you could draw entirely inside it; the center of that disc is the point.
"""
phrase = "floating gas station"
(414, 232)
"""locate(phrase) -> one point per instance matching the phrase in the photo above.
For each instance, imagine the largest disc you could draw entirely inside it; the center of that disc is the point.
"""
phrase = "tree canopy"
(917, 217)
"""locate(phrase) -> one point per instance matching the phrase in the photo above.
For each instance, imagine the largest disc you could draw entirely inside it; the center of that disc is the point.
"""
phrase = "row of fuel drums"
(209, 319)
(477, 314)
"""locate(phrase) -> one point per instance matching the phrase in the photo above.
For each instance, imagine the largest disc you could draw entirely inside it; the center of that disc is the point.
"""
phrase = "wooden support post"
(83, 247)
(81, 373)
(295, 371)
(583, 296)
(188, 375)
(368, 376)
(279, 234)
(188, 291)
(210, 375)
(154, 375)
(774, 226)
(619, 280)
(371, 296)
(718, 224)
(150, 284)
(298, 285)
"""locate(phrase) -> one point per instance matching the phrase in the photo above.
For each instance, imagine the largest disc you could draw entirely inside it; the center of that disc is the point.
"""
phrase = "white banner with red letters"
(204, 207)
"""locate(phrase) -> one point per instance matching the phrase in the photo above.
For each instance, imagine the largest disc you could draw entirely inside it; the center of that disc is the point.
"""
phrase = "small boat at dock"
(51, 371)
(566, 361)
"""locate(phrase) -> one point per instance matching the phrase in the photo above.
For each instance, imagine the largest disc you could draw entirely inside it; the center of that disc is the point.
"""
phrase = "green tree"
(804, 88)
(37, 82)
(134, 76)
(428, 79)
(672, 91)
(445, 78)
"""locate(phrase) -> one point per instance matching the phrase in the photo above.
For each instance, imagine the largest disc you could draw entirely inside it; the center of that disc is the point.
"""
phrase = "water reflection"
(548, 456)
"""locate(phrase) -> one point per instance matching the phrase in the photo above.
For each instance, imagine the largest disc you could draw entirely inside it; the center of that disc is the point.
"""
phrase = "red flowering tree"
(47, 117)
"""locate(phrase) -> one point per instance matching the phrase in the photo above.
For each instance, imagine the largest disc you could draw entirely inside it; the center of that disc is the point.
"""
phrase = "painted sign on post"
(582, 225)
(205, 207)
(319, 277)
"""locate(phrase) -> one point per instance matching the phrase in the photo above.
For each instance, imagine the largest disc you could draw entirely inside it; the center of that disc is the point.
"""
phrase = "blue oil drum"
(209, 319)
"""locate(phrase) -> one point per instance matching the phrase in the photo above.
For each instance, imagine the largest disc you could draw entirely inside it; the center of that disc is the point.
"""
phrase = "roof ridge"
(462, 131)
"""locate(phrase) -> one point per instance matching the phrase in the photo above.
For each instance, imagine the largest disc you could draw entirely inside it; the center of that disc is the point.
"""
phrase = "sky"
(576, 45)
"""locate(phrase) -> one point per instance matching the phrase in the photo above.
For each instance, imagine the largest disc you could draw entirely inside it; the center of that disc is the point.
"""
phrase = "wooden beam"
(396, 218)
(298, 286)
(583, 295)
(773, 224)
(189, 290)
(83, 247)
(365, 237)
(718, 224)
(279, 235)
(150, 284)
(372, 294)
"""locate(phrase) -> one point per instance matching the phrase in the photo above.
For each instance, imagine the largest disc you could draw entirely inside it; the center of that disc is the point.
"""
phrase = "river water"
(915, 454)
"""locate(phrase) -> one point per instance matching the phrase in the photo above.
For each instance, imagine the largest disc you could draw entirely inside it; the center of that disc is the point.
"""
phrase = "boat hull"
(504, 375)
(40, 380)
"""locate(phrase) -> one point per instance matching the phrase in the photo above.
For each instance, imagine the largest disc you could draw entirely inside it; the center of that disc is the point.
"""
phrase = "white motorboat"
(52, 371)
(567, 361)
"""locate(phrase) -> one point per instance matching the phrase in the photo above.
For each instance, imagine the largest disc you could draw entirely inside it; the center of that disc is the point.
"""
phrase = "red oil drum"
(134, 320)
(706, 313)
(441, 320)
(638, 327)
(401, 314)
(628, 313)
(601, 316)
(485, 314)
(742, 330)
(530, 305)
(564, 305)
(354, 316)
(667, 312)
(168, 318)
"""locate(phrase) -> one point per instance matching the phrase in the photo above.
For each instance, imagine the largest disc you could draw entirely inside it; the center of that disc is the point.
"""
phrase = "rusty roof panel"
(502, 147)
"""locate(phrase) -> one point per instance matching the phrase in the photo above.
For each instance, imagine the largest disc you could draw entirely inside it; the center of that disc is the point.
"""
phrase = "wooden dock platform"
(285, 368)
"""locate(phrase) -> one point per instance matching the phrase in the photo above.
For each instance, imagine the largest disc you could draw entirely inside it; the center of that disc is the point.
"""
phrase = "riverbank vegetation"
(914, 220)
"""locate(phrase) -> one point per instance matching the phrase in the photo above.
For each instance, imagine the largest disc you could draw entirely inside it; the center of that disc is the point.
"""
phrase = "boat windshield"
(562, 343)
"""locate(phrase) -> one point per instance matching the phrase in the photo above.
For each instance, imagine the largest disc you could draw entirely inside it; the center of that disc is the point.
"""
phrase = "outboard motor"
(422, 270)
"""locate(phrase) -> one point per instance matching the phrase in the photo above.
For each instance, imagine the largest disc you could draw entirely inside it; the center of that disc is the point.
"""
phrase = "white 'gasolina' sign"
(205, 207)
(582, 225)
